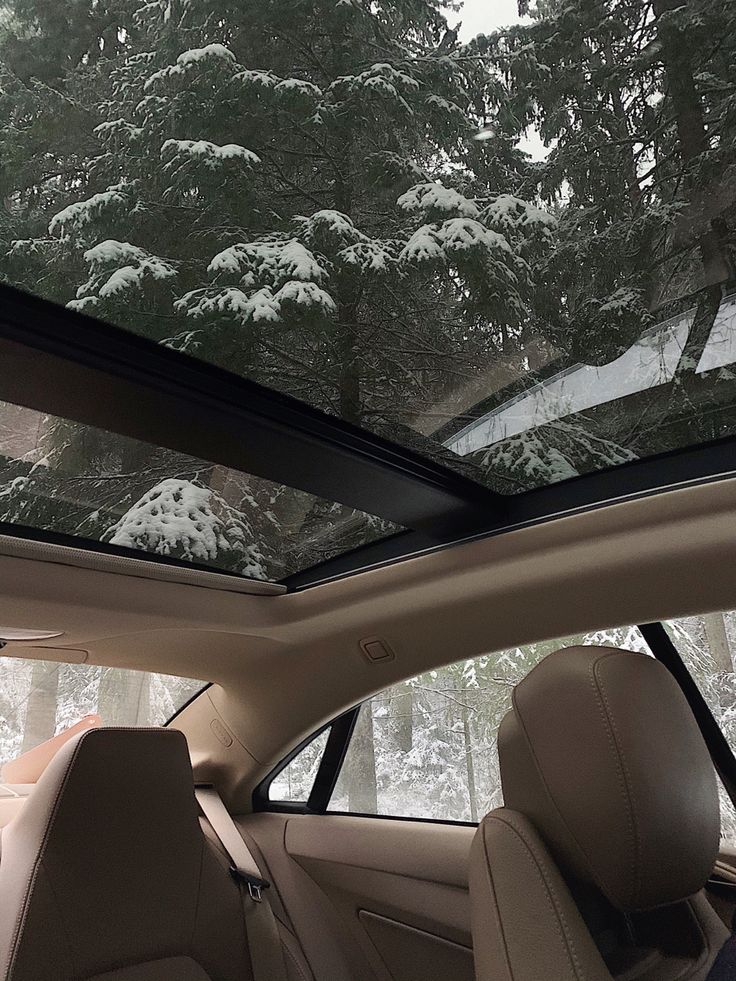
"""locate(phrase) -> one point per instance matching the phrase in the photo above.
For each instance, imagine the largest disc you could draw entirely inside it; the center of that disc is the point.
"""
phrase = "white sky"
(482, 17)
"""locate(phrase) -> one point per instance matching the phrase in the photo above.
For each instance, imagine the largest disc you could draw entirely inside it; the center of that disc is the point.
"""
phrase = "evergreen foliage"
(330, 197)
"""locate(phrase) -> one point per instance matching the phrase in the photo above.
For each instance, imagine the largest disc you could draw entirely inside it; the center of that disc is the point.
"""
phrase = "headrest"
(107, 844)
(601, 751)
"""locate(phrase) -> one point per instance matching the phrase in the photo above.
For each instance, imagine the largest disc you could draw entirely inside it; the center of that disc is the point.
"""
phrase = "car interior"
(367, 490)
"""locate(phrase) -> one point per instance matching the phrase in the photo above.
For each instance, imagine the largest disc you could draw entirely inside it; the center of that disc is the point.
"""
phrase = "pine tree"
(263, 181)
(292, 189)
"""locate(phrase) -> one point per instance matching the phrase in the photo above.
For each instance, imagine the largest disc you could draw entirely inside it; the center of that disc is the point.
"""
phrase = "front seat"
(105, 874)
(595, 866)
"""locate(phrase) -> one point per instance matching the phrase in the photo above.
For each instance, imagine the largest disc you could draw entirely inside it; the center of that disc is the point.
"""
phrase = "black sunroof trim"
(116, 380)
(60, 361)
(676, 469)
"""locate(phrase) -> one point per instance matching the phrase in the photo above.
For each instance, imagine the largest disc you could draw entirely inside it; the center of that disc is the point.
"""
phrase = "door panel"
(392, 894)
(414, 955)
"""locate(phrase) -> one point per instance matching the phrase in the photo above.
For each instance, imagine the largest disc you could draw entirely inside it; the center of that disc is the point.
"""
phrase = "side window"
(707, 645)
(293, 784)
(426, 748)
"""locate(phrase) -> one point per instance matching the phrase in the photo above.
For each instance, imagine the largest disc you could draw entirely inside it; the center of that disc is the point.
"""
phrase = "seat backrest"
(595, 866)
(106, 874)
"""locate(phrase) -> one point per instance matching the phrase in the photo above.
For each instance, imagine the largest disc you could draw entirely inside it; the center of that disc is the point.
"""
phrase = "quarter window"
(294, 783)
(41, 699)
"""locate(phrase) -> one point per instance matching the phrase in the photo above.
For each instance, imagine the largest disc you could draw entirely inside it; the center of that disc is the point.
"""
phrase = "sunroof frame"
(636, 479)
(60, 361)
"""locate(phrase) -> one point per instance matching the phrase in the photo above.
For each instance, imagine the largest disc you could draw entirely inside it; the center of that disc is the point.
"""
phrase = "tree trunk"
(715, 634)
(350, 408)
(693, 139)
(124, 697)
(706, 311)
(470, 766)
(40, 723)
(405, 719)
(362, 789)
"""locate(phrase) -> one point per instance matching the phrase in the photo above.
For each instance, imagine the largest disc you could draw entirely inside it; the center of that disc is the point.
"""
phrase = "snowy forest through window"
(426, 748)
(511, 250)
(39, 699)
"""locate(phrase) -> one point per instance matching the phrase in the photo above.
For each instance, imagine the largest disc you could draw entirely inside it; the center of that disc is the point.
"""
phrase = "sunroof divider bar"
(60, 361)
(677, 469)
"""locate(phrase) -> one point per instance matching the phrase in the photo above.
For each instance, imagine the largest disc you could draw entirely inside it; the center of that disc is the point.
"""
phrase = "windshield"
(500, 235)
(43, 699)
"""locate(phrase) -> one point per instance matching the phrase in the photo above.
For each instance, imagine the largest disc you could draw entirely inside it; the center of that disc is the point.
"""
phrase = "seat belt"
(264, 941)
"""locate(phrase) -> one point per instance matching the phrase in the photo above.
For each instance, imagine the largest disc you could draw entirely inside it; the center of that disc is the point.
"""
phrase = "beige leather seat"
(106, 873)
(595, 867)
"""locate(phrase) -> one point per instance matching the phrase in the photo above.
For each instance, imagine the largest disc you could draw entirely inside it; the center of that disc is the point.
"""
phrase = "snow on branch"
(434, 200)
(216, 54)
(508, 213)
(117, 268)
(181, 155)
(452, 238)
(182, 519)
(273, 262)
(79, 216)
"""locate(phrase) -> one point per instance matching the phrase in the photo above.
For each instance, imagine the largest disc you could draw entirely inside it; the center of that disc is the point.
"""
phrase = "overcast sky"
(484, 16)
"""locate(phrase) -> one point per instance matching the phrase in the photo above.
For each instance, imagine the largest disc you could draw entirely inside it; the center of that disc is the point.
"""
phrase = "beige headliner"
(284, 664)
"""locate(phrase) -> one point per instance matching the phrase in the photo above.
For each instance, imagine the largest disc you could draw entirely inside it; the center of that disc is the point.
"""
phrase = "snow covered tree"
(181, 519)
(635, 103)
(257, 188)
(293, 190)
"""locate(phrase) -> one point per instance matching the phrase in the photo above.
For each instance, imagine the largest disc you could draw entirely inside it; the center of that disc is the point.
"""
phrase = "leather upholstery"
(612, 731)
(594, 868)
(105, 873)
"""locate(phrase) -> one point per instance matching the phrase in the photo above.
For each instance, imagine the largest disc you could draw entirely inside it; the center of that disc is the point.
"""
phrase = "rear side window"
(41, 699)
(426, 748)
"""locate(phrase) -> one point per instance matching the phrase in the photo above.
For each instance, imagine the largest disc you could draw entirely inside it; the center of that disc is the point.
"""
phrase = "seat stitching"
(61, 918)
(543, 873)
(33, 875)
(496, 904)
(705, 937)
(587, 860)
(622, 773)
(294, 961)
(203, 845)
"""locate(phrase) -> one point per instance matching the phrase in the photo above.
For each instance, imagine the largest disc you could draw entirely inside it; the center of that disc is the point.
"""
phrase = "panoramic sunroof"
(508, 252)
(68, 479)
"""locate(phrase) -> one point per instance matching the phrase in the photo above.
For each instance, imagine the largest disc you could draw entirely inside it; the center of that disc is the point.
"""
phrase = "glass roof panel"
(504, 241)
(69, 479)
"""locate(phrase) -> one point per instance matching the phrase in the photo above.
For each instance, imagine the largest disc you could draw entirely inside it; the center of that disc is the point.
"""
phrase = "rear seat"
(106, 875)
